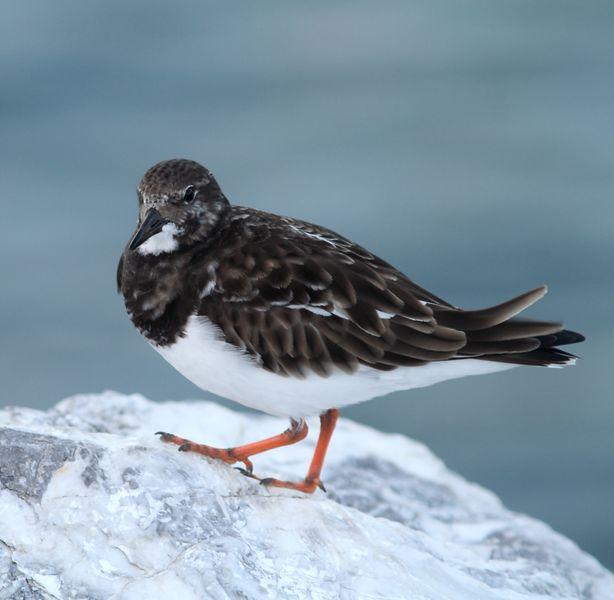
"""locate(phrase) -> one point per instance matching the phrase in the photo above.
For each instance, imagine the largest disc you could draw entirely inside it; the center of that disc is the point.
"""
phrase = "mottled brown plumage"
(301, 298)
(263, 308)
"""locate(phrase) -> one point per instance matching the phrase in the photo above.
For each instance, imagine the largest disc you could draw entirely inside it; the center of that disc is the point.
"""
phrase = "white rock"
(93, 506)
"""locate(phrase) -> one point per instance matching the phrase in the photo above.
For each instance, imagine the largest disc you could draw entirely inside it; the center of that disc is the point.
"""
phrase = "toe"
(249, 467)
(169, 437)
(247, 473)
(307, 486)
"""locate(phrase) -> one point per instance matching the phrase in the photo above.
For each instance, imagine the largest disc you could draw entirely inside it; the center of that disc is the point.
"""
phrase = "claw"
(165, 436)
(266, 481)
(246, 472)
(321, 486)
(184, 447)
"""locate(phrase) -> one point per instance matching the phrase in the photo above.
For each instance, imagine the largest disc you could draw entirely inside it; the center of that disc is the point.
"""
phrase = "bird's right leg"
(295, 433)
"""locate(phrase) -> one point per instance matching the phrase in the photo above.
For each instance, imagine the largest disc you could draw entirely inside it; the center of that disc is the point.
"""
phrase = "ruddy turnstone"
(293, 319)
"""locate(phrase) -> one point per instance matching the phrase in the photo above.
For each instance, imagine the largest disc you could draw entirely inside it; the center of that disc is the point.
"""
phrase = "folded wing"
(301, 299)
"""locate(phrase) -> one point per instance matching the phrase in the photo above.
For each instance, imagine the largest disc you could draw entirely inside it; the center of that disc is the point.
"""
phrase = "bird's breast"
(158, 296)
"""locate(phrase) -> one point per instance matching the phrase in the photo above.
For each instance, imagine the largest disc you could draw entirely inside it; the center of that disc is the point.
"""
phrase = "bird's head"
(180, 204)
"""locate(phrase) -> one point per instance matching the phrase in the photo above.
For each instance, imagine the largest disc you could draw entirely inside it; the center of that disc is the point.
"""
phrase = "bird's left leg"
(295, 433)
(328, 420)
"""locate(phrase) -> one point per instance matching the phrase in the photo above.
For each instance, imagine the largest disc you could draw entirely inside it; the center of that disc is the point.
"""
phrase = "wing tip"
(535, 294)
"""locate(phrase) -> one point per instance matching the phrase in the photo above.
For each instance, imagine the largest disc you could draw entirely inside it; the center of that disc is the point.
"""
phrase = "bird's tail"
(495, 334)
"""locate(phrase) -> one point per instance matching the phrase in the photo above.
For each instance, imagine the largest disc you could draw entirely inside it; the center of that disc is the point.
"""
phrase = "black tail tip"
(570, 337)
(562, 338)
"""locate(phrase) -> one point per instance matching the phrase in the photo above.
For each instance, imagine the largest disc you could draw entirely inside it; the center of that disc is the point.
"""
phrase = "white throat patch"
(161, 242)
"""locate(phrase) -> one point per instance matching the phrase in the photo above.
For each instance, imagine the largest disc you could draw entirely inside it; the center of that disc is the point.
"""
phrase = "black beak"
(152, 224)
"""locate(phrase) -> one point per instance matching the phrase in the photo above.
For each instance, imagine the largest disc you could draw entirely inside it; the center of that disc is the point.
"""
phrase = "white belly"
(219, 367)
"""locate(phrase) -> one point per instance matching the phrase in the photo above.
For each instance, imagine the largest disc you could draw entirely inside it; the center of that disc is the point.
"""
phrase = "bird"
(296, 320)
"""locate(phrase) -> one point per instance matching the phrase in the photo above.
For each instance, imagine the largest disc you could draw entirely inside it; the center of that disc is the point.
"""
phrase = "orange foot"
(295, 433)
(328, 420)
(308, 486)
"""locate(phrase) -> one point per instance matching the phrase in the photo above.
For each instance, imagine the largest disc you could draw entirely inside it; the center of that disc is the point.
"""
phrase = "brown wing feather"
(303, 299)
(469, 320)
(514, 329)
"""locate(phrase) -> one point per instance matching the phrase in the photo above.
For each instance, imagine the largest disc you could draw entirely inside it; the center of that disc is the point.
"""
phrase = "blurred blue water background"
(469, 143)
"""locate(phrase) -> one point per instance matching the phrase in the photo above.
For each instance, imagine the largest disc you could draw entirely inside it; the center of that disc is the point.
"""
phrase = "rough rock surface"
(93, 506)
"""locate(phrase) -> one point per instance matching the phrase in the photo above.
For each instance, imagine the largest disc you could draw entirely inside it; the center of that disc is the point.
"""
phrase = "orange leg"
(295, 433)
(328, 420)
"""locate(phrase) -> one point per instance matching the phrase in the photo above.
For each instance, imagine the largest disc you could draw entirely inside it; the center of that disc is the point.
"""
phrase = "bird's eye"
(189, 193)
